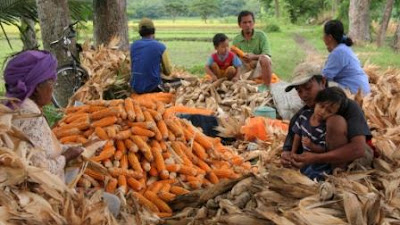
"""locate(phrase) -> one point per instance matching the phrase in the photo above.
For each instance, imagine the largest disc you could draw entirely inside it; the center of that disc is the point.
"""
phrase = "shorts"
(254, 73)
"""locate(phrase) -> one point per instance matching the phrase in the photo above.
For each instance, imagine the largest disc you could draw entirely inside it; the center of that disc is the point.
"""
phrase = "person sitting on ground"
(343, 66)
(255, 44)
(344, 143)
(149, 58)
(223, 63)
(29, 77)
(310, 127)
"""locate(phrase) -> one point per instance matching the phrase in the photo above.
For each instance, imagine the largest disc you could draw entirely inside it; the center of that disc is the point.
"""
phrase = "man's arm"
(347, 153)
(165, 63)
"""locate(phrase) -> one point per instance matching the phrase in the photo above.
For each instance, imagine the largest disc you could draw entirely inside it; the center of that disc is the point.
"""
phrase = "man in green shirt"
(256, 47)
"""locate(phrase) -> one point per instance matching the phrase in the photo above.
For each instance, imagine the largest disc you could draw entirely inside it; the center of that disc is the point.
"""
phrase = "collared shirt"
(344, 68)
(258, 44)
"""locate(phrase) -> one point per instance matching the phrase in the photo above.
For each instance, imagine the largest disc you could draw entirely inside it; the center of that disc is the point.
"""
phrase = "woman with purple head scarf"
(29, 77)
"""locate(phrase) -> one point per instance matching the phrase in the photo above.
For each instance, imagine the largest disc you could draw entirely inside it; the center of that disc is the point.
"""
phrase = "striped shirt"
(303, 128)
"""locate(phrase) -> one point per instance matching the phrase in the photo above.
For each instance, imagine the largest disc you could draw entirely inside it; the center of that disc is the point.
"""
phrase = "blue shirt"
(344, 68)
(235, 62)
(146, 55)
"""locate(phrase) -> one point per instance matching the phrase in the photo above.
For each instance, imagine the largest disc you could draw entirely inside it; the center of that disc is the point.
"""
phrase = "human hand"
(286, 158)
(72, 153)
(248, 57)
(235, 78)
(306, 142)
(306, 158)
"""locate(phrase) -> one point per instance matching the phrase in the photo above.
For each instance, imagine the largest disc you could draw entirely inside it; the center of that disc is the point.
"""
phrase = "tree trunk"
(277, 10)
(359, 20)
(110, 20)
(396, 44)
(28, 34)
(53, 17)
(385, 22)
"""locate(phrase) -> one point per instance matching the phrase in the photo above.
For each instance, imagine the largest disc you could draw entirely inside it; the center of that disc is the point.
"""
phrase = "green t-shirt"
(258, 44)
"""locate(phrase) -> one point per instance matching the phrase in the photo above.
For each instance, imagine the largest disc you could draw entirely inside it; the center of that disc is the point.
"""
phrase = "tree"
(231, 7)
(385, 22)
(146, 8)
(396, 43)
(28, 33)
(277, 10)
(110, 20)
(53, 17)
(205, 8)
(175, 8)
(359, 20)
(303, 9)
(23, 14)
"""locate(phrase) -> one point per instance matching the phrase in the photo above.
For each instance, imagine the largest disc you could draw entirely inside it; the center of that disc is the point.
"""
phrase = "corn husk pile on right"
(32, 195)
(284, 196)
(382, 109)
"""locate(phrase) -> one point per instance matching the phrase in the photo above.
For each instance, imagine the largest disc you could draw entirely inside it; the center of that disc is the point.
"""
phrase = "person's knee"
(265, 61)
(230, 72)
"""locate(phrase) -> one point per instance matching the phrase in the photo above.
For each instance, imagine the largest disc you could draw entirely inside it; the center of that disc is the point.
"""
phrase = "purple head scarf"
(26, 70)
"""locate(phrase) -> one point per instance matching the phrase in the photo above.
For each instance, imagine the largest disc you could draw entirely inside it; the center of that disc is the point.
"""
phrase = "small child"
(310, 126)
(223, 63)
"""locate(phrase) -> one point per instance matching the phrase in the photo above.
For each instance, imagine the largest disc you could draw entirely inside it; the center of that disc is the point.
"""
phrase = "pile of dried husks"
(149, 157)
(107, 67)
(284, 196)
(224, 97)
(32, 195)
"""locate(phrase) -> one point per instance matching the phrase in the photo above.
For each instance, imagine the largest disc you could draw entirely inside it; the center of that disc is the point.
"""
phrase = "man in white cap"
(344, 143)
(149, 58)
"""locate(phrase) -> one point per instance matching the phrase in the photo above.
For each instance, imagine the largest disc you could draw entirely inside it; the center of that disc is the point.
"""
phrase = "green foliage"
(146, 8)
(52, 114)
(175, 8)
(12, 10)
(253, 6)
(272, 28)
(303, 9)
(205, 8)
(231, 7)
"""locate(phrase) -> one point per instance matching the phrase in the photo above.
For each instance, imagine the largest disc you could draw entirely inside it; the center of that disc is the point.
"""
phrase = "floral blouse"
(38, 131)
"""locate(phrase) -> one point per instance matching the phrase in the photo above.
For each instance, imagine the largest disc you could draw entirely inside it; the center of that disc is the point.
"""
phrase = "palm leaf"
(81, 10)
(12, 10)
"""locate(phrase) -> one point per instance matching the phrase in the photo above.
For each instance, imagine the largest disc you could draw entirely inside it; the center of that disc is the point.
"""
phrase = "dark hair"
(335, 28)
(144, 31)
(319, 79)
(219, 38)
(332, 95)
(245, 13)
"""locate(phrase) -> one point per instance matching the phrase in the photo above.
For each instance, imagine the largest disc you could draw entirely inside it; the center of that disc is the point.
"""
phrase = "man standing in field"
(148, 59)
(256, 47)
